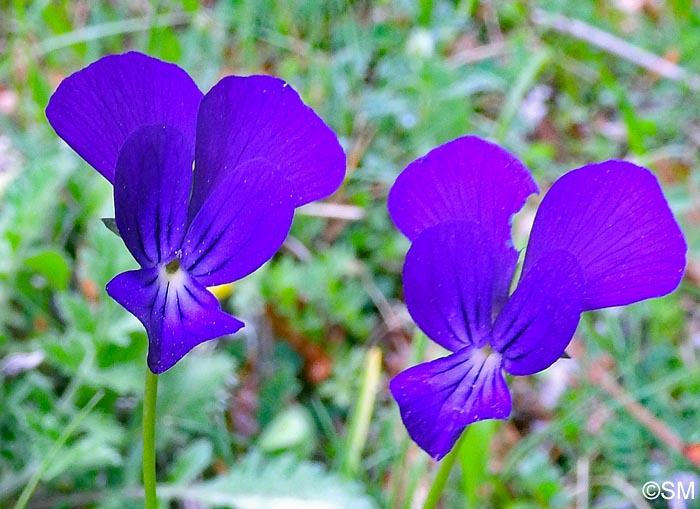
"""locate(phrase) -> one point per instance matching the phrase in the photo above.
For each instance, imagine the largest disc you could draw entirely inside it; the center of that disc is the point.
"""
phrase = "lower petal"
(439, 399)
(177, 312)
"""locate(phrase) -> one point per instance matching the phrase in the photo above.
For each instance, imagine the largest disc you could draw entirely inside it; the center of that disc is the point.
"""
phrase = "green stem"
(150, 397)
(362, 414)
(443, 473)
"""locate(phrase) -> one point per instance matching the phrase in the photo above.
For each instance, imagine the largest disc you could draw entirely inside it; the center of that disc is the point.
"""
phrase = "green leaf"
(190, 5)
(257, 482)
(52, 265)
(524, 82)
(292, 429)
(474, 459)
(85, 454)
(192, 462)
(165, 44)
(67, 353)
(111, 225)
(190, 392)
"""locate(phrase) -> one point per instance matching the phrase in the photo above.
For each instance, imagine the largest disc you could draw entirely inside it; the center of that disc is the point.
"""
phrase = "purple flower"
(603, 236)
(205, 186)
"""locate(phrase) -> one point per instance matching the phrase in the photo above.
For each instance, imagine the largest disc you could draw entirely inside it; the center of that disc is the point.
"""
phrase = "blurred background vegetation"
(295, 410)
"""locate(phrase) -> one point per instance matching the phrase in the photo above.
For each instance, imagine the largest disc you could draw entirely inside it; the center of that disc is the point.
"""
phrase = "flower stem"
(443, 473)
(150, 397)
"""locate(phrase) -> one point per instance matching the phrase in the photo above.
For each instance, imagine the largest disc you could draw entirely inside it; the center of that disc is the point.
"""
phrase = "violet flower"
(603, 236)
(205, 186)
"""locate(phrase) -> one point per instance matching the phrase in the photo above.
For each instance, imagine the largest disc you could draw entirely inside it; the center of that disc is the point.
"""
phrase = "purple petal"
(540, 318)
(243, 222)
(244, 118)
(614, 219)
(151, 192)
(469, 179)
(95, 109)
(439, 399)
(448, 281)
(177, 312)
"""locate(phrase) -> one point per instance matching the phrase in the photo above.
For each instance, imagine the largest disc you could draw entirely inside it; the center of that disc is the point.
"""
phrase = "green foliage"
(257, 483)
(241, 419)
(291, 430)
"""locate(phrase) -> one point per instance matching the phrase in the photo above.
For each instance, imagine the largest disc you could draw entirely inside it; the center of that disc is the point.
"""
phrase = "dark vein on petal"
(180, 314)
(157, 218)
(194, 297)
(217, 239)
(515, 337)
(141, 243)
(462, 305)
(469, 390)
(227, 259)
(155, 278)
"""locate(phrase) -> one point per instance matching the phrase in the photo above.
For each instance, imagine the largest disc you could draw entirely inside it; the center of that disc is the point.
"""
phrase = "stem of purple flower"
(150, 397)
(443, 473)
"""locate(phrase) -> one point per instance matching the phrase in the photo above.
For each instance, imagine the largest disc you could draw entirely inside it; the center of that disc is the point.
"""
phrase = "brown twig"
(362, 137)
(477, 54)
(598, 373)
(297, 248)
(333, 211)
(617, 46)
(386, 311)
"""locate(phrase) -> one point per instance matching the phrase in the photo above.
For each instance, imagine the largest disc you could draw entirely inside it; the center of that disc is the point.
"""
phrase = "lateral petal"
(177, 312)
(540, 318)
(438, 399)
(243, 222)
(613, 218)
(448, 281)
(95, 109)
(151, 192)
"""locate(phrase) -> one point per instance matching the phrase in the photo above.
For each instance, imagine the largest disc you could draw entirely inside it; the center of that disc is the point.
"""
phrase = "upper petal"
(243, 222)
(467, 179)
(540, 318)
(448, 281)
(244, 118)
(95, 109)
(177, 312)
(151, 192)
(613, 218)
(439, 399)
